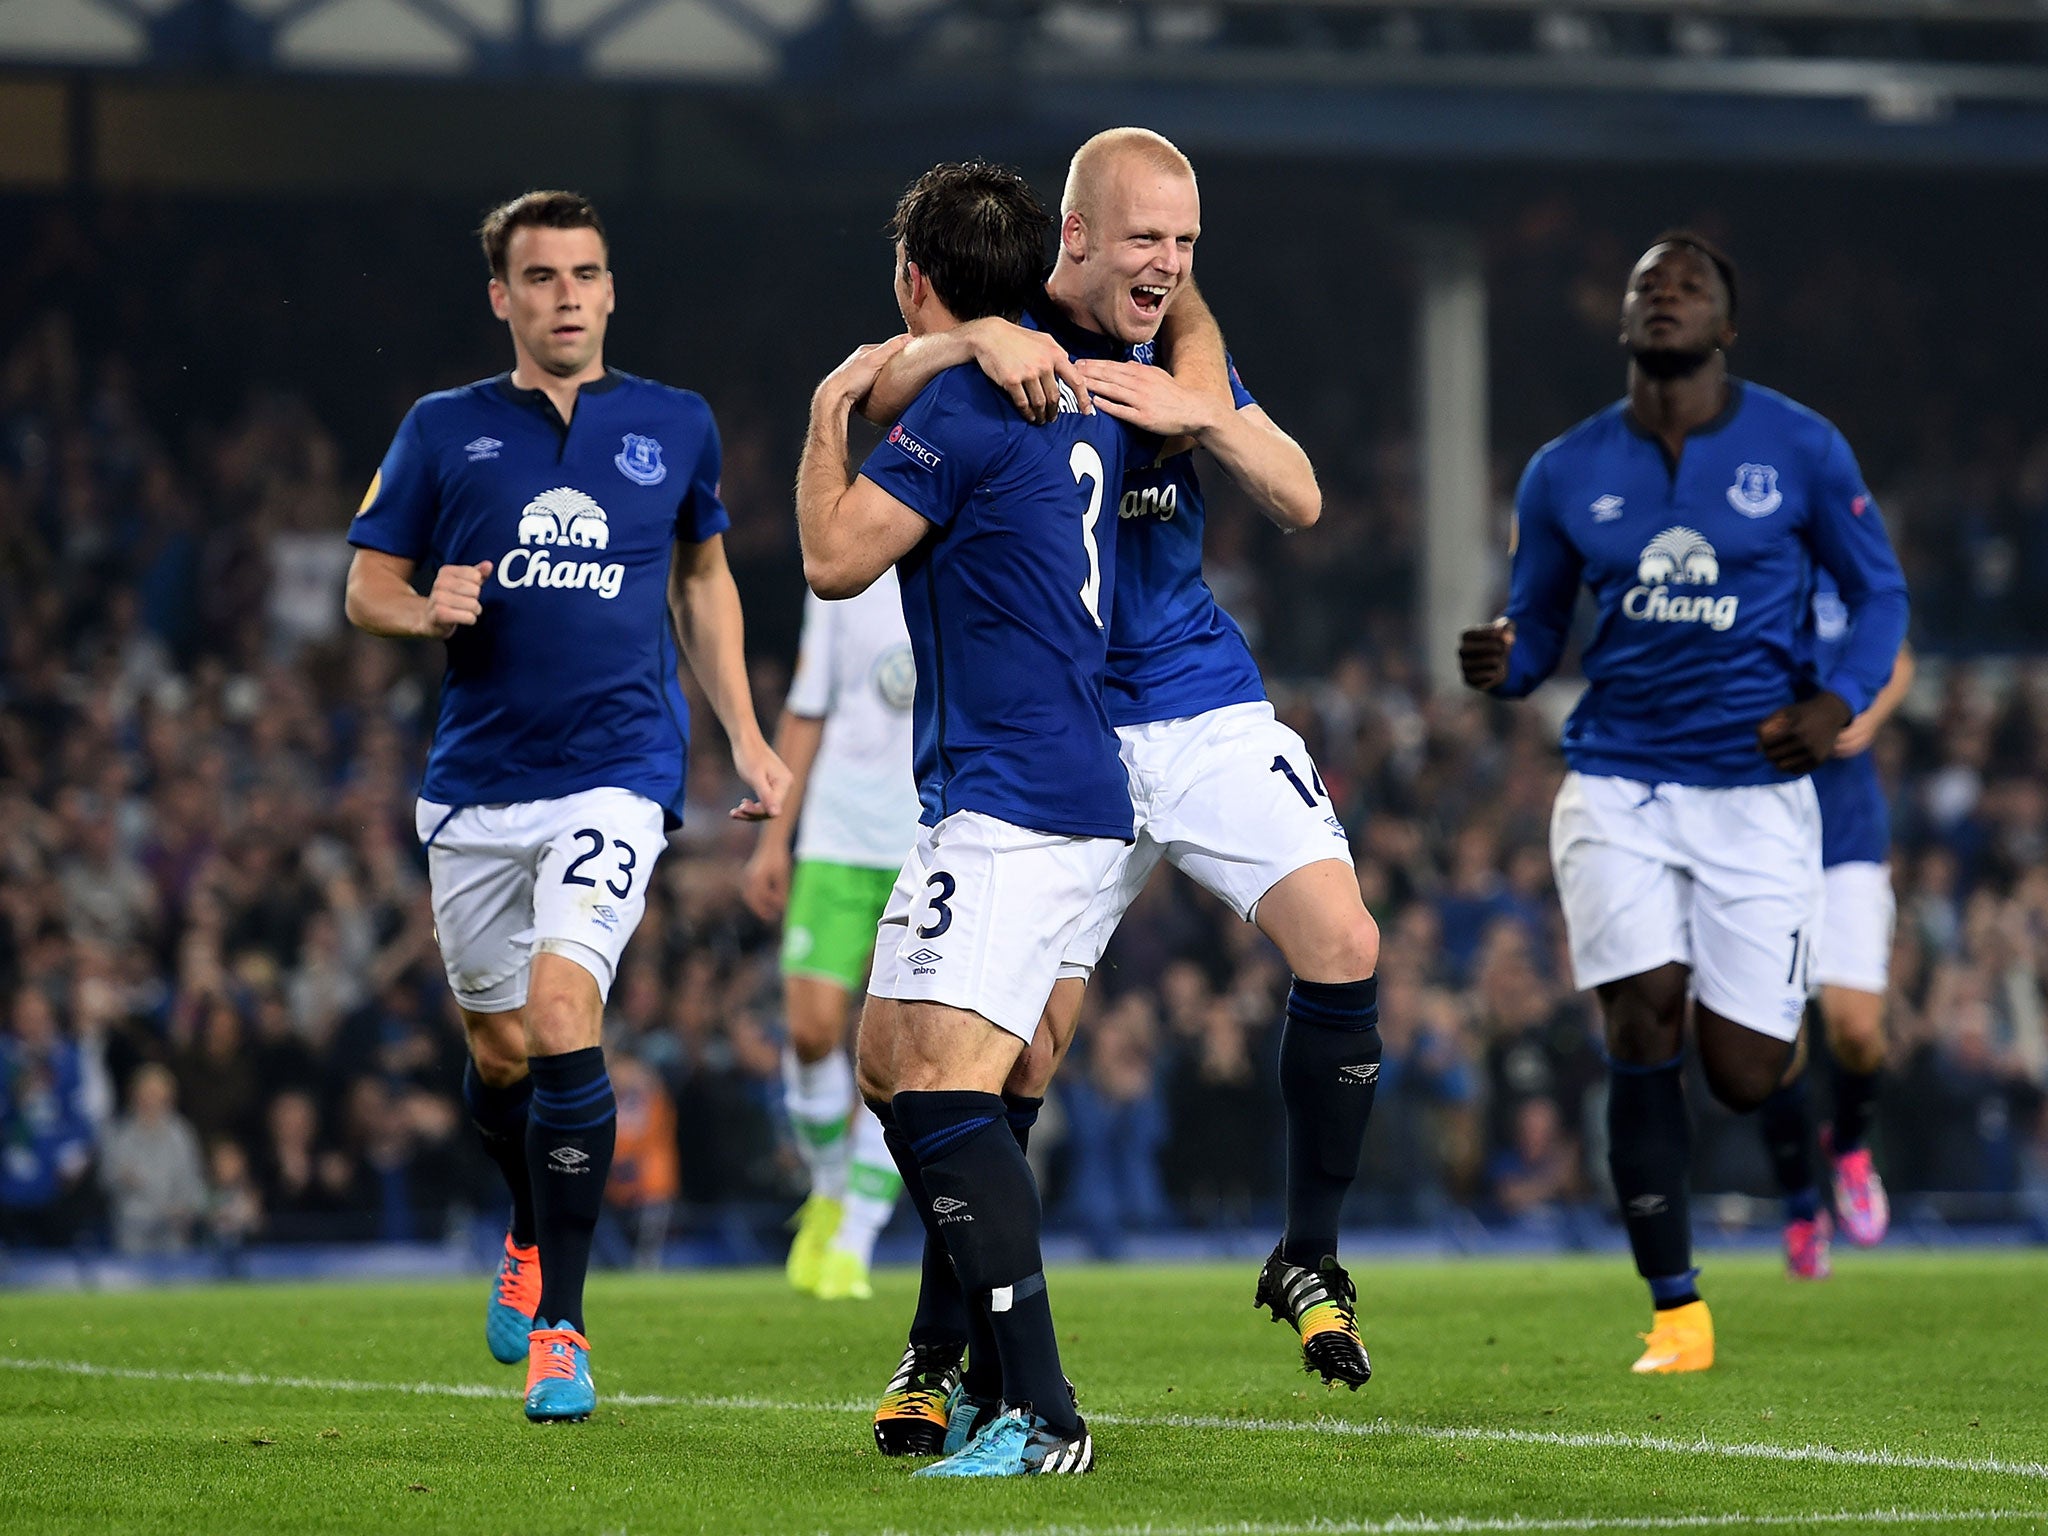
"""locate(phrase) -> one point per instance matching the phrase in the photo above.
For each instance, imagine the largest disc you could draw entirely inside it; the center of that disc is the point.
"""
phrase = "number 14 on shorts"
(1286, 770)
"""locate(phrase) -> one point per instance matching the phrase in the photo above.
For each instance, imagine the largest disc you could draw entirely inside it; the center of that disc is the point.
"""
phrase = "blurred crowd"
(222, 1015)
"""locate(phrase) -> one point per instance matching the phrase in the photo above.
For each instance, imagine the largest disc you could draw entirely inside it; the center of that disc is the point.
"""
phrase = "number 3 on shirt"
(1087, 465)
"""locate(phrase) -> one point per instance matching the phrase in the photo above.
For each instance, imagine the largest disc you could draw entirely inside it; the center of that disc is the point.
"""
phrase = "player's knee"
(874, 1054)
(1365, 945)
(1033, 1073)
(875, 1080)
(559, 1020)
(1644, 1016)
(500, 1064)
(1642, 1036)
(1348, 949)
(1856, 1036)
(497, 1044)
(1741, 1085)
(815, 1032)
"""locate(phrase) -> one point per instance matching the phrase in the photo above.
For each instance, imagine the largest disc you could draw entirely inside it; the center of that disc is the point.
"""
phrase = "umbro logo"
(1364, 1072)
(922, 961)
(569, 1159)
(1647, 1205)
(946, 1205)
(1606, 509)
(482, 448)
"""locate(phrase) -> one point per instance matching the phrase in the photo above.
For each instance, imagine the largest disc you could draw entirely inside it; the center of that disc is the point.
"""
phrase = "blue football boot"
(1018, 1444)
(558, 1385)
(515, 1297)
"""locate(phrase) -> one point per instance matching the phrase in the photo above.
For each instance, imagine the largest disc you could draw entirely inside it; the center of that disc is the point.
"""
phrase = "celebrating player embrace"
(1222, 789)
(1004, 540)
(573, 514)
(1687, 837)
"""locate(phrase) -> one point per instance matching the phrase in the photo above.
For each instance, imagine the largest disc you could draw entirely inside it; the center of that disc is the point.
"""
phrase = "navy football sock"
(499, 1115)
(941, 1315)
(1649, 1152)
(984, 1377)
(987, 1207)
(1788, 1140)
(571, 1128)
(1855, 1097)
(1021, 1111)
(1329, 1074)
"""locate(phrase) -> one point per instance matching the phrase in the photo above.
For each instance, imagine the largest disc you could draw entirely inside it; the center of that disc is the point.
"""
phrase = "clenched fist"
(457, 599)
(1483, 654)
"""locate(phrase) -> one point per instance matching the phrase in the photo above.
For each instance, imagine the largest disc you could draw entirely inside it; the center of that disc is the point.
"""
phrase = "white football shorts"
(981, 915)
(1855, 948)
(1725, 881)
(1231, 799)
(568, 876)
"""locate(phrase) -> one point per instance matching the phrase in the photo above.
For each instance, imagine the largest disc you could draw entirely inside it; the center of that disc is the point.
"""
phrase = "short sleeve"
(1239, 395)
(702, 514)
(398, 510)
(810, 690)
(941, 446)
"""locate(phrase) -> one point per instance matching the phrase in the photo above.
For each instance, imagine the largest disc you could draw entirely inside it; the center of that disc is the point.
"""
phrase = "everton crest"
(1755, 492)
(640, 461)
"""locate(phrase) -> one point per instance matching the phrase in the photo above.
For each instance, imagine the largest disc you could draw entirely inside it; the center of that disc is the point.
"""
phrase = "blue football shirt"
(1855, 821)
(1173, 651)
(1008, 601)
(569, 679)
(1702, 571)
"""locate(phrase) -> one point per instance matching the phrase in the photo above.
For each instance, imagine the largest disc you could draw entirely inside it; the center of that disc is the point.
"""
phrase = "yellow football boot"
(816, 1220)
(1681, 1339)
(842, 1277)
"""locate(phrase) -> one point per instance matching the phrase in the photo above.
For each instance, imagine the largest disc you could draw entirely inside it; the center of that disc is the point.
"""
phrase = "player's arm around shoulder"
(851, 528)
(1027, 366)
(1192, 397)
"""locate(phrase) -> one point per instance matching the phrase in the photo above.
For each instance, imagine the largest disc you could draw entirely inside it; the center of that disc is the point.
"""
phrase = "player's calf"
(986, 1203)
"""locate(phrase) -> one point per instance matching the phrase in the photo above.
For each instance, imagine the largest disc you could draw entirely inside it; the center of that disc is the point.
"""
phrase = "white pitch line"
(1461, 1525)
(1826, 1455)
(1823, 1455)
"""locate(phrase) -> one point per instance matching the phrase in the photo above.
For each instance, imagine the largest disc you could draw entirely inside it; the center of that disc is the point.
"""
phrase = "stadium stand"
(224, 1021)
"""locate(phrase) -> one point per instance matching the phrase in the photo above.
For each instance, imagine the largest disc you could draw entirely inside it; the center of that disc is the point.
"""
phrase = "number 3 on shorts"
(942, 887)
(622, 887)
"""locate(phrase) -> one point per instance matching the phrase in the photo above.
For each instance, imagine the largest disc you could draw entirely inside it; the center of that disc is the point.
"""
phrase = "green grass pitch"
(1909, 1392)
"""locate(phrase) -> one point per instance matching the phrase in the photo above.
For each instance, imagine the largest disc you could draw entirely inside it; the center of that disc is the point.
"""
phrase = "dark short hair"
(1692, 240)
(536, 210)
(980, 236)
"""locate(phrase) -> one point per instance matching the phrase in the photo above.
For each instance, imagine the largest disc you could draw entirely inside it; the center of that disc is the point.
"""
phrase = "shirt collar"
(537, 399)
(1078, 340)
(1715, 423)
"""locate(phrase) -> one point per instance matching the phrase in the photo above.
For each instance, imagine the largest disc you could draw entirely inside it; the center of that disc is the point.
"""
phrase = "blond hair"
(1094, 160)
